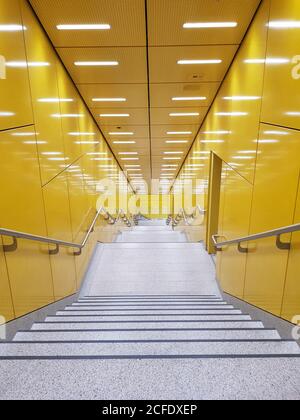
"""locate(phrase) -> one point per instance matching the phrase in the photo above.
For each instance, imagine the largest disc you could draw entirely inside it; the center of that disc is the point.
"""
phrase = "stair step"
(130, 325)
(200, 317)
(147, 296)
(136, 318)
(80, 311)
(149, 350)
(149, 306)
(149, 302)
(147, 335)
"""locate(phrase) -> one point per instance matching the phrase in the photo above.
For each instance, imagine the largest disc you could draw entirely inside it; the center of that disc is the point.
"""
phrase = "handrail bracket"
(11, 247)
(54, 251)
(285, 246)
(242, 249)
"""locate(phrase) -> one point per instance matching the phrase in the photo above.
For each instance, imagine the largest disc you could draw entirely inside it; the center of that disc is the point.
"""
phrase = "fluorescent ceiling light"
(84, 27)
(243, 157)
(189, 98)
(170, 166)
(132, 166)
(24, 64)
(12, 28)
(115, 115)
(96, 63)
(109, 99)
(293, 114)
(284, 24)
(172, 158)
(242, 98)
(212, 141)
(51, 153)
(177, 141)
(129, 133)
(67, 115)
(184, 114)
(54, 100)
(199, 25)
(216, 132)
(268, 141)
(24, 134)
(130, 159)
(267, 60)
(187, 62)
(76, 134)
(128, 153)
(173, 153)
(97, 153)
(6, 114)
(58, 159)
(124, 142)
(231, 114)
(180, 133)
(87, 142)
(199, 158)
(276, 133)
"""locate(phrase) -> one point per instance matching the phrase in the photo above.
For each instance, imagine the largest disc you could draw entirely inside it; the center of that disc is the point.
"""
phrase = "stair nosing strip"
(145, 357)
(272, 340)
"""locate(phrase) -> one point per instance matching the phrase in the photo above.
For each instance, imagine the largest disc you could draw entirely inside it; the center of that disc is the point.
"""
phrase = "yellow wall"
(48, 164)
(253, 126)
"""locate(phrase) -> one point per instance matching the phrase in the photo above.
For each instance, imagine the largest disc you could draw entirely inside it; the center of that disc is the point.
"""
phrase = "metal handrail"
(51, 241)
(183, 215)
(268, 234)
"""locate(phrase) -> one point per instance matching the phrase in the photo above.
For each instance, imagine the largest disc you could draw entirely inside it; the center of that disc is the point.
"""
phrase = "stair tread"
(141, 350)
(147, 335)
(142, 326)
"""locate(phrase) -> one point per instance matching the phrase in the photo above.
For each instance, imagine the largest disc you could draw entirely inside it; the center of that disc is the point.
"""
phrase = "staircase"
(150, 323)
(147, 327)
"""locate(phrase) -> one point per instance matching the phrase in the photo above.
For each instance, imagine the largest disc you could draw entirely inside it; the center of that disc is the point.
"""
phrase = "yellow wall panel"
(6, 305)
(282, 78)
(233, 123)
(15, 101)
(59, 226)
(235, 224)
(45, 97)
(22, 209)
(70, 125)
(291, 301)
(274, 197)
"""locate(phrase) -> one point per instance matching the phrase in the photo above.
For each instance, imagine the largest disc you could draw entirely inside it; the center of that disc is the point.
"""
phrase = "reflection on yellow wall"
(274, 198)
(253, 126)
(282, 78)
(291, 300)
(6, 305)
(15, 104)
(49, 169)
(234, 215)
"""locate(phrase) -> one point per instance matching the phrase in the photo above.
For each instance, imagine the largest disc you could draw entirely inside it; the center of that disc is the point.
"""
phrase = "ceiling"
(147, 39)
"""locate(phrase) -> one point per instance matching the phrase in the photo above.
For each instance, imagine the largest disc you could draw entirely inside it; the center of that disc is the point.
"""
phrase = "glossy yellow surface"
(274, 199)
(22, 209)
(45, 97)
(49, 151)
(291, 299)
(261, 157)
(235, 214)
(282, 80)
(15, 103)
(6, 305)
(59, 226)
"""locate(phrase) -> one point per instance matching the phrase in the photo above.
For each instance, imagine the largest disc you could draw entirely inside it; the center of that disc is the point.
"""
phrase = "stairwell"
(151, 323)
